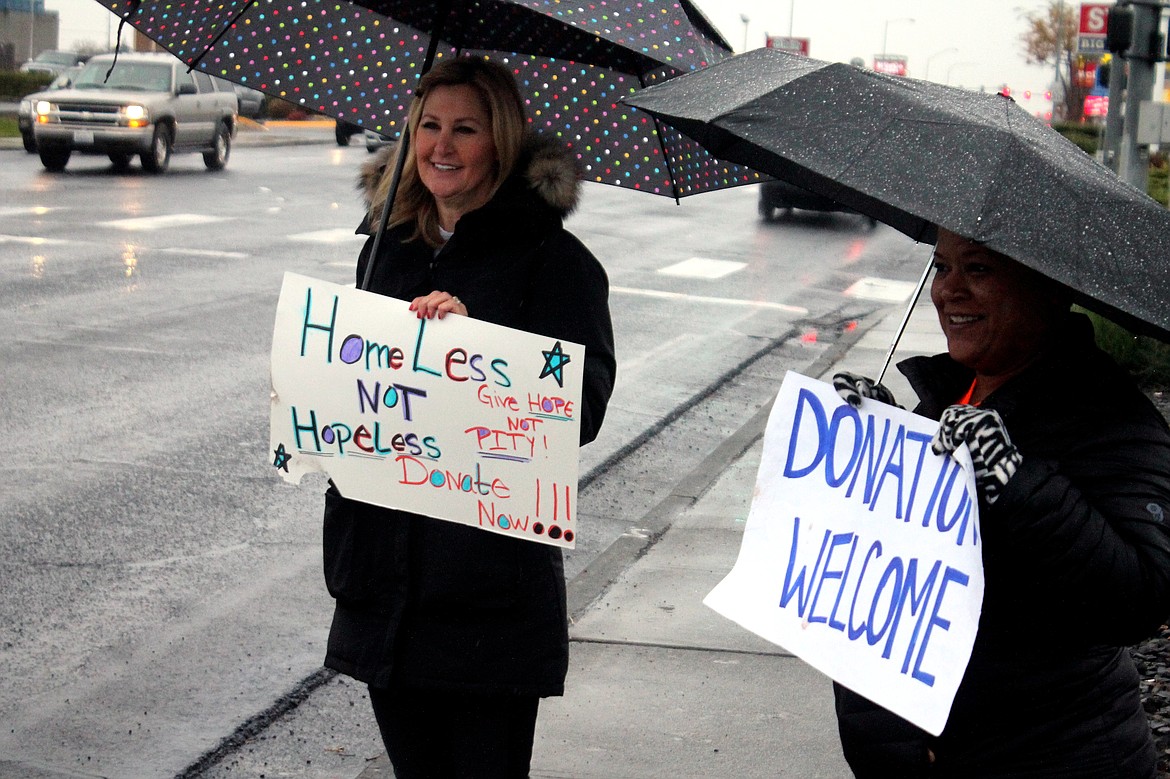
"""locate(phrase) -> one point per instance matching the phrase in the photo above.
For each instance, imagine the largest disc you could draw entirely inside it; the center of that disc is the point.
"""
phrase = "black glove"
(992, 453)
(852, 388)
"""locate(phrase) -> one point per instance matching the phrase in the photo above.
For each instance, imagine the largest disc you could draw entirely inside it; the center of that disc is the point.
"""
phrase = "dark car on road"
(52, 62)
(780, 195)
(344, 131)
(253, 103)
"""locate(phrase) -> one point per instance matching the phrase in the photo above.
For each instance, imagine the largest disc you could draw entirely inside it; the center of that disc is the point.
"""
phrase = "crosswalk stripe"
(336, 235)
(664, 295)
(162, 221)
(702, 268)
(887, 290)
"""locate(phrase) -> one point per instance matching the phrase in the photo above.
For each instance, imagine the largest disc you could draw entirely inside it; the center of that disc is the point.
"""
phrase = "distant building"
(26, 29)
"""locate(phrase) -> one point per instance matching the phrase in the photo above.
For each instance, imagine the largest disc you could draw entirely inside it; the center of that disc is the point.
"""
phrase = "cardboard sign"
(454, 418)
(861, 553)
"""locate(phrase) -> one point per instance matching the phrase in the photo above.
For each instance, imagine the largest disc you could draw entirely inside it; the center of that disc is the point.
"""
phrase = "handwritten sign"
(454, 418)
(861, 553)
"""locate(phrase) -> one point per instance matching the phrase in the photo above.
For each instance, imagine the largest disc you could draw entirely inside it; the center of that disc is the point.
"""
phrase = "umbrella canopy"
(917, 155)
(359, 62)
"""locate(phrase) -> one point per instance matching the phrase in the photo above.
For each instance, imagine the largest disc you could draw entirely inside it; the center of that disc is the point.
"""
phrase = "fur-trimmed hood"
(549, 172)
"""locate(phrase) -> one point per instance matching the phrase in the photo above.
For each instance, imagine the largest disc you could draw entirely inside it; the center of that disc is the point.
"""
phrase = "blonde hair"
(500, 97)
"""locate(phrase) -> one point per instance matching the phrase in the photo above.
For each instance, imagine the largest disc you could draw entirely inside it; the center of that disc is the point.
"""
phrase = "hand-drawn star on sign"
(281, 459)
(554, 362)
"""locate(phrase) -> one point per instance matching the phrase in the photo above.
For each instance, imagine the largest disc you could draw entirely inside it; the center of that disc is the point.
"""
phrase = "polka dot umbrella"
(358, 62)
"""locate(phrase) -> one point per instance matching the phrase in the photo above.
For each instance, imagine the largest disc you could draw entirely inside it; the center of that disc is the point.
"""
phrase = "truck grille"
(88, 113)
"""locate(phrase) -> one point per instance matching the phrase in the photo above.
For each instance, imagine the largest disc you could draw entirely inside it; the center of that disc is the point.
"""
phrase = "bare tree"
(90, 48)
(1052, 34)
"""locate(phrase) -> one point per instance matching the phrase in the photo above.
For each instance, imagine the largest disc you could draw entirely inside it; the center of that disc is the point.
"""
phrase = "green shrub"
(1086, 136)
(15, 85)
(8, 127)
(1156, 186)
(1148, 359)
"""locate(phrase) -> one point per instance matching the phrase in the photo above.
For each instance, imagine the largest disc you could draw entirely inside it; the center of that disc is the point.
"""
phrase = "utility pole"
(1059, 41)
(1113, 118)
(1133, 160)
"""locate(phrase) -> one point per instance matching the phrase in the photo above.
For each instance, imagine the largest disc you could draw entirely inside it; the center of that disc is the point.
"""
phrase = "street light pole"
(1056, 56)
(746, 20)
(32, 25)
(958, 65)
(886, 30)
(936, 54)
(791, 12)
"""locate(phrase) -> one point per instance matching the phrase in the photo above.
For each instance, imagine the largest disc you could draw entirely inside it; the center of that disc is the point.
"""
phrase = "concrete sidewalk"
(661, 686)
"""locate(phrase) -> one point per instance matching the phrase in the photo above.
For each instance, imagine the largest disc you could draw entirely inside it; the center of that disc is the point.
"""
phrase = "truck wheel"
(159, 157)
(30, 142)
(54, 158)
(218, 156)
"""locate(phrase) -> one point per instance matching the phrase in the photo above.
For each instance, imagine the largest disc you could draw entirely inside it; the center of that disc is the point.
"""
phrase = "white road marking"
(206, 253)
(870, 288)
(33, 240)
(26, 211)
(162, 221)
(703, 268)
(673, 346)
(656, 293)
(336, 235)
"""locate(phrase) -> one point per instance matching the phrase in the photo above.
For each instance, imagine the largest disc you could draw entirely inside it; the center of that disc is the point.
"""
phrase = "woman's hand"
(852, 388)
(437, 304)
(992, 453)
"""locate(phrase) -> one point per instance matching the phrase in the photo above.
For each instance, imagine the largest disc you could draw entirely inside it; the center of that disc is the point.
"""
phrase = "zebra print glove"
(852, 388)
(992, 453)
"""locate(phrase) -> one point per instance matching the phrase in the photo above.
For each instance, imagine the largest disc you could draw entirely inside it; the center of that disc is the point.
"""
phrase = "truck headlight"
(135, 115)
(45, 112)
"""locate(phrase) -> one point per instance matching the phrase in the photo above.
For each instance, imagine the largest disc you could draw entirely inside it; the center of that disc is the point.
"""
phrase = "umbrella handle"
(906, 317)
(388, 205)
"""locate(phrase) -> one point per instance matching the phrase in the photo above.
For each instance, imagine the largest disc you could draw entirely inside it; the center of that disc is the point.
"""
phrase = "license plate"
(83, 136)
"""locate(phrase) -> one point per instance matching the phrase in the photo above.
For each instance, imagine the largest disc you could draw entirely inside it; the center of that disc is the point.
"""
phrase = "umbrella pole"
(222, 32)
(659, 128)
(403, 149)
(906, 316)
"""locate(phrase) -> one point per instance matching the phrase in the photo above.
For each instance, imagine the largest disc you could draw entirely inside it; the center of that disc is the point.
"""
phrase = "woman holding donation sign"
(1072, 465)
(459, 632)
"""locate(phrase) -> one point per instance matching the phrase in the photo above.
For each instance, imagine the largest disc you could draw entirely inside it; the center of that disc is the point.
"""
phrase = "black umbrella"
(916, 154)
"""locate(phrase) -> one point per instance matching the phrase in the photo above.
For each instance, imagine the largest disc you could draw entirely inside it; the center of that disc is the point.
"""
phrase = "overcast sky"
(970, 43)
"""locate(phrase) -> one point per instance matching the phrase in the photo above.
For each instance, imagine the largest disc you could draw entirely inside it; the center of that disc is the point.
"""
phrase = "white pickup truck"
(149, 106)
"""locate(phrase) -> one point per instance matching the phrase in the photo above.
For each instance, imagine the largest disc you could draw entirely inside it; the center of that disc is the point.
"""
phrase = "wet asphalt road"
(161, 585)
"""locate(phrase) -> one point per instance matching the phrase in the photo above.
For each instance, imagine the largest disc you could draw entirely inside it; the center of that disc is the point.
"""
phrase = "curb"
(592, 582)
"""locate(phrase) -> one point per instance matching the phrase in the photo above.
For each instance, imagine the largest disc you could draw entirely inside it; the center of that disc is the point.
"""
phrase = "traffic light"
(1119, 32)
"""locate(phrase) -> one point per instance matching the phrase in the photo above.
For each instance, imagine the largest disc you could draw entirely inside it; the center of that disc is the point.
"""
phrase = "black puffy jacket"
(1076, 556)
(423, 602)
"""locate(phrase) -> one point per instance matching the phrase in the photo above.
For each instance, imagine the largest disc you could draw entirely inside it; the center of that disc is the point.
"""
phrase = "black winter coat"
(426, 603)
(1076, 556)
